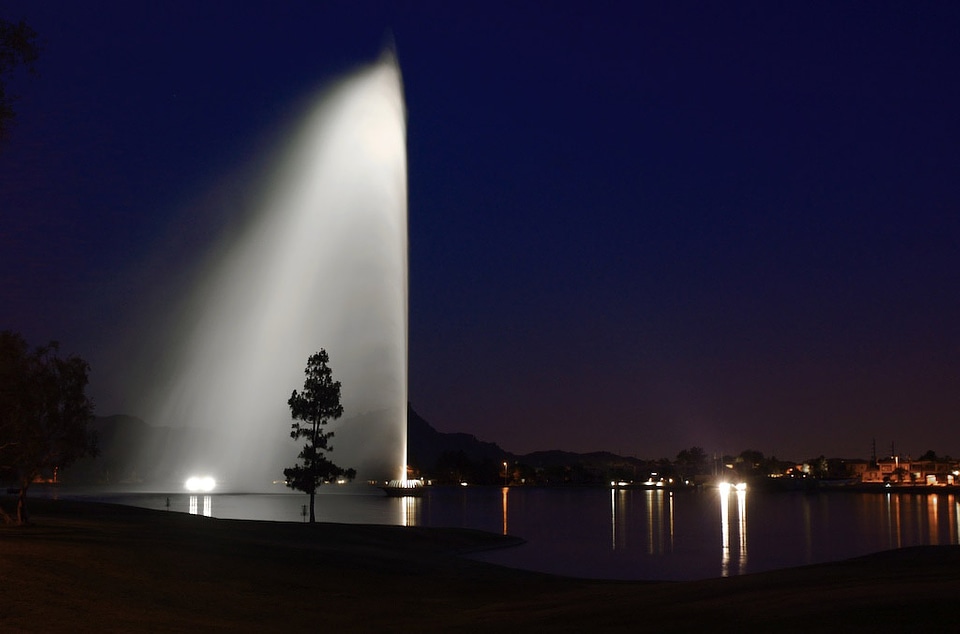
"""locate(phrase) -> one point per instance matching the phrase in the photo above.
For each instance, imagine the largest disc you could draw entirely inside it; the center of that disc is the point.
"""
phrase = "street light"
(504, 473)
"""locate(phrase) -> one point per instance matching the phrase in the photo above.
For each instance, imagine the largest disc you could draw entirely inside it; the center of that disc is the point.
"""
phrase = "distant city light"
(201, 484)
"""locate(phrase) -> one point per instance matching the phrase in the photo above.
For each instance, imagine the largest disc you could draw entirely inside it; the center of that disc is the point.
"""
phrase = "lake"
(652, 534)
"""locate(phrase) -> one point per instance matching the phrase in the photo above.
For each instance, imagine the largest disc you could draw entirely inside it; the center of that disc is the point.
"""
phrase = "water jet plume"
(321, 263)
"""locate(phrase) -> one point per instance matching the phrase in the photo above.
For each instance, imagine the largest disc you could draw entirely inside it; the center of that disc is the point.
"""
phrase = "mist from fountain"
(322, 263)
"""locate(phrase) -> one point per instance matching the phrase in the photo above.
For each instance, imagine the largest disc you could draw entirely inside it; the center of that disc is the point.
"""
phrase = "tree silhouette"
(312, 409)
(44, 413)
(691, 462)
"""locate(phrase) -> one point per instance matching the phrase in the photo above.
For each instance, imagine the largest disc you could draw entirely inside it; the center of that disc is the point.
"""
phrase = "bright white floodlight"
(200, 484)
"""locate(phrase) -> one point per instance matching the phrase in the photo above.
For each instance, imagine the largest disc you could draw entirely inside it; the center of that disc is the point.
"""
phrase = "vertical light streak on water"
(933, 519)
(742, 528)
(889, 509)
(896, 519)
(949, 519)
(409, 511)
(195, 508)
(618, 518)
(807, 530)
(504, 492)
(922, 505)
(670, 502)
(724, 532)
(956, 515)
(660, 520)
(613, 518)
(321, 264)
(625, 501)
(650, 522)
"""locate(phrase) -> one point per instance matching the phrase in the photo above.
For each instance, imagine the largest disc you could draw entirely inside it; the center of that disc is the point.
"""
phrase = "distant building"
(897, 470)
(933, 472)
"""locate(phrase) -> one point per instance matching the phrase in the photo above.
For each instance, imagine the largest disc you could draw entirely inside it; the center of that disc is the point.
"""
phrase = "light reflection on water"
(409, 511)
(207, 505)
(656, 534)
(742, 527)
(725, 559)
(622, 533)
(504, 500)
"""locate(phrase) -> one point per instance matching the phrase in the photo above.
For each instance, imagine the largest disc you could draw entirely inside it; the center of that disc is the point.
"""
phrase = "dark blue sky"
(634, 227)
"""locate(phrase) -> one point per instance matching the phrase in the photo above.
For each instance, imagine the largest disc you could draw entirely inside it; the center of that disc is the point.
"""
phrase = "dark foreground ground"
(92, 567)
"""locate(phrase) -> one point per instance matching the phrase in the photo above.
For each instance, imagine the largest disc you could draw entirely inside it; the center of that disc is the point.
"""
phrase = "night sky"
(634, 227)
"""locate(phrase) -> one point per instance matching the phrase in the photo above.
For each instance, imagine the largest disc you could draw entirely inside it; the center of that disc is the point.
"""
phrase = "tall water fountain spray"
(321, 264)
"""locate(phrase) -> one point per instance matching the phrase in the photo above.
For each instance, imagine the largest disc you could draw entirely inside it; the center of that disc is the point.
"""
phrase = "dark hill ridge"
(554, 458)
(425, 445)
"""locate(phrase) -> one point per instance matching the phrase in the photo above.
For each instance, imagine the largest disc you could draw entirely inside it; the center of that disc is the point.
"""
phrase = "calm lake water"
(620, 533)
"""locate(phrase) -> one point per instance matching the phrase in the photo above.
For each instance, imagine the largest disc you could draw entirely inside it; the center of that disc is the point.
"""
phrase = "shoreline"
(84, 566)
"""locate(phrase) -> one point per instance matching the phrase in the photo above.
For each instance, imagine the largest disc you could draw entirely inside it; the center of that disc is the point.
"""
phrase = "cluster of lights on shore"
(724, 487)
